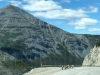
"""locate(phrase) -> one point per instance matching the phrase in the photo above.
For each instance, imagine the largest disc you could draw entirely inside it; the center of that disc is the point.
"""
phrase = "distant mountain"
(93, 58)
(26, 40)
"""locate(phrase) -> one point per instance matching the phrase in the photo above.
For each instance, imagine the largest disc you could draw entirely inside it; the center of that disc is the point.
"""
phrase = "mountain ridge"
(28, 39)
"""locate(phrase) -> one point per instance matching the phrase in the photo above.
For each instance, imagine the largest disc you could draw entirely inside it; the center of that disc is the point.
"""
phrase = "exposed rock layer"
(93, 58)
(27, 39)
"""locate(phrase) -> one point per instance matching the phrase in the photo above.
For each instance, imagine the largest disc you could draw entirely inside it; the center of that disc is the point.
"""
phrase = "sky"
(74, 16)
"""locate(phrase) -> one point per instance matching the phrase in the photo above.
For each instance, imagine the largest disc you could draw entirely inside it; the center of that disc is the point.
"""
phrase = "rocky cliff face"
(93, 58)
(28, 39)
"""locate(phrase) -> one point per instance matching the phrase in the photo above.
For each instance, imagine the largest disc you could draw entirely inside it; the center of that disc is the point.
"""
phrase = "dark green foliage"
(92, 39)
(12, 47)
(35, 63)
(67, 57)
(1, 74)
(98, 44)
(6, 42)
(17, 66)
(15, 48)
(64, 59)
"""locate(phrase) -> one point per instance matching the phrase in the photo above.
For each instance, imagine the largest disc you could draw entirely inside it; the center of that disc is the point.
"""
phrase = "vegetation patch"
(98, 44)
(17, 66)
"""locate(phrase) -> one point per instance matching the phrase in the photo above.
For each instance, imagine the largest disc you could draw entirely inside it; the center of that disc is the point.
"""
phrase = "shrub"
(98, 44)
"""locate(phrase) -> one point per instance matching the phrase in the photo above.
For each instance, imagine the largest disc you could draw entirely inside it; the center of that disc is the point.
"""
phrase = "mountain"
(93, 58)
(26, 40)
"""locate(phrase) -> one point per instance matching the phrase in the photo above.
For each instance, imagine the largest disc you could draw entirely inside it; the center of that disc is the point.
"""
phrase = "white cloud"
(15, 3)
(41, 5)
(83, 23)
(61, 14)
(80, 27)
(93, 9)
(90, 9)
(52, 10)
(94, 29)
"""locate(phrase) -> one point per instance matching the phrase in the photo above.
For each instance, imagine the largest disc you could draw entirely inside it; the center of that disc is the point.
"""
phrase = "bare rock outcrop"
(93, 58)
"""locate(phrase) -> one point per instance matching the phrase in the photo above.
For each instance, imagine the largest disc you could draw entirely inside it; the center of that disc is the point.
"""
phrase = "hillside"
(26, 40)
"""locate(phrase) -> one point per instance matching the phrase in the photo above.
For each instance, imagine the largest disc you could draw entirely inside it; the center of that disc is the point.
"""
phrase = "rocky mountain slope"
(28, 39)
(93, 58)
(12, 66)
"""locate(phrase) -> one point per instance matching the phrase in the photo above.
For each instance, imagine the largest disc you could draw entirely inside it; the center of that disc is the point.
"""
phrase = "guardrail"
(70, 65)
(60, 65)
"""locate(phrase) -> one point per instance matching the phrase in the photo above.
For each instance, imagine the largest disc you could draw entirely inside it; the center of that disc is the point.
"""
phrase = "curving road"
(71, 71)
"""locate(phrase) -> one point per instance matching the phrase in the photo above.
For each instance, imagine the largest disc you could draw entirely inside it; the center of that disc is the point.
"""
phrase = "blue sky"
(74, 16)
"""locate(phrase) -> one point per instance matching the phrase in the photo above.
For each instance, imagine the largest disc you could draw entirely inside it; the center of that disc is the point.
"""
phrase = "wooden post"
(41, 62)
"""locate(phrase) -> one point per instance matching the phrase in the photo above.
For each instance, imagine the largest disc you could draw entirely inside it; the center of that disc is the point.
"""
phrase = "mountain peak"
(27, 38)
(11, 11)
(10, 7)
(12, 16)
